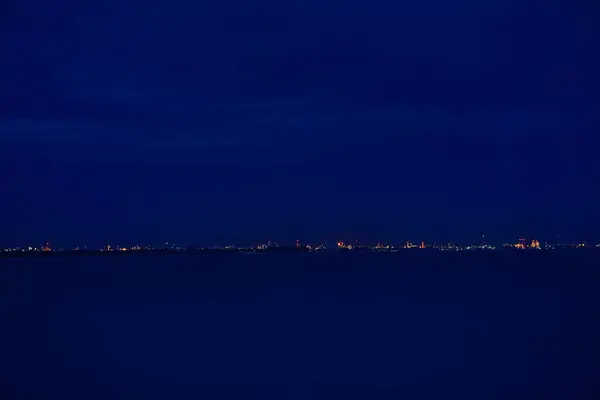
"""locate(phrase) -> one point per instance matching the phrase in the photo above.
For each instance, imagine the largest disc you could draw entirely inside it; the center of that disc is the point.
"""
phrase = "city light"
(296, 246)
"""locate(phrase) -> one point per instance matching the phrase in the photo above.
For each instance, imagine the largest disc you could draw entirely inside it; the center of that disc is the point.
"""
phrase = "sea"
(404, 325)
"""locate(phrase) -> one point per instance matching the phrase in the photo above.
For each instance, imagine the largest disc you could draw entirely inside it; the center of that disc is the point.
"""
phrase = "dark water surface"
(310, 326)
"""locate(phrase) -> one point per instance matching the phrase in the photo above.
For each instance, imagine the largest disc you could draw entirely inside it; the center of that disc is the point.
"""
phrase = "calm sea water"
(312, 326)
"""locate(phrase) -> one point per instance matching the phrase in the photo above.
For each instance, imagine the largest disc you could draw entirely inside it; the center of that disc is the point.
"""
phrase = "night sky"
(226, 121)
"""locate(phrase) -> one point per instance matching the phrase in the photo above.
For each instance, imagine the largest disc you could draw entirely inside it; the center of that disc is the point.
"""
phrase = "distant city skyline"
(519, 243)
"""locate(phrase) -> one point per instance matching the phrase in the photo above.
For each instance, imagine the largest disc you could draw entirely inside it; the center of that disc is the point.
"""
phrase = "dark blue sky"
(232, 121)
